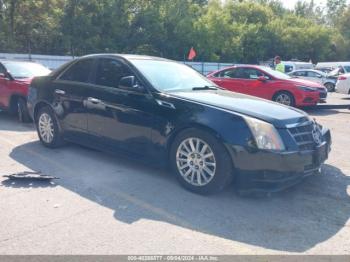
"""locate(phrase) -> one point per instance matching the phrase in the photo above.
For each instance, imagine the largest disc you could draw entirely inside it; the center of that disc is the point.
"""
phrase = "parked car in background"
(316, 76)
(290, 66)
(166, 112)
(328, 67)
(267, 83)
(15, 78)
(343, 84)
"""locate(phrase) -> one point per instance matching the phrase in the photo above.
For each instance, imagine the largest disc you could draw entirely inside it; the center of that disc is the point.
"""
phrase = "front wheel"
(200, 162)
(47, 128)
(284, 98)
(330, 87)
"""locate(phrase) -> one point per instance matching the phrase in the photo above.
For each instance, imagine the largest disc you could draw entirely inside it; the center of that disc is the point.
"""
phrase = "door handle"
(60, 92)
(94, 100)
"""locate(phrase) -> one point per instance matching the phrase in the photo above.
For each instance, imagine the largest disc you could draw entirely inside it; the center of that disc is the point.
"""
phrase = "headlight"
(307, 88)
(265, 135)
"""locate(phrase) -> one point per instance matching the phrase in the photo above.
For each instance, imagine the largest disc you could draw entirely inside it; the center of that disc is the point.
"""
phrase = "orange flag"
(192, 54)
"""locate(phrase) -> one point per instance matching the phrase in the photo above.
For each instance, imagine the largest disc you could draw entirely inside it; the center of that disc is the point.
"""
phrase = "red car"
(267, 83)
(15, 78)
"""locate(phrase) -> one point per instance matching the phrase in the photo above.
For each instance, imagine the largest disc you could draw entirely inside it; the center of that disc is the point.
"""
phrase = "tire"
(22, 111)
(330, 87)
(213, 176)
(46, 119)
(284, 98)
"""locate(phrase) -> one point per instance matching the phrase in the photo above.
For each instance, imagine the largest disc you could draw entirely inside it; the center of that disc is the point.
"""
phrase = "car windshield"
(275, 73)
(25, 69)
(334, 72)
(347, 69)
(171, 76)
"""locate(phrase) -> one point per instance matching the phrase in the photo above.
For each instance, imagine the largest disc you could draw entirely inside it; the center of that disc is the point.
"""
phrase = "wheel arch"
(283, 91)
(37, 107)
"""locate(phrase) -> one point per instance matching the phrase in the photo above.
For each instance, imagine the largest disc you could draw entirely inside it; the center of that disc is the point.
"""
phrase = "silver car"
(316, 76)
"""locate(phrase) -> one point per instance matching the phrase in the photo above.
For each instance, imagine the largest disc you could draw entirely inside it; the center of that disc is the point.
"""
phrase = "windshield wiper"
(204, 88)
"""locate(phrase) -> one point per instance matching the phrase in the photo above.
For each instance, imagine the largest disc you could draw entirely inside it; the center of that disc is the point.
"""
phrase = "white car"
(343, 84)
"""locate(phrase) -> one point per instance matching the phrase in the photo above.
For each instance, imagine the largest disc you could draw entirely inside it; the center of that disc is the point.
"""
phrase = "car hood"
(278, 115)
(303, 82)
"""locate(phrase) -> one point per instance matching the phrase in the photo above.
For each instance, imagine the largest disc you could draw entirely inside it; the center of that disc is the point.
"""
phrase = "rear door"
(230, 79)
(70, 92)
(119, 117)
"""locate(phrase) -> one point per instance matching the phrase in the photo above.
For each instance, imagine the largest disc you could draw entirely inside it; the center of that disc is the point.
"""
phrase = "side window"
(300, 73)
(229, 73)
(79, 72)
(312, 74)
(251, 73)
(110, 71)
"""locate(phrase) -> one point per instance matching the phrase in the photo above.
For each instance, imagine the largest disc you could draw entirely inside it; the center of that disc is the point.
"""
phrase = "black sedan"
(165, 112)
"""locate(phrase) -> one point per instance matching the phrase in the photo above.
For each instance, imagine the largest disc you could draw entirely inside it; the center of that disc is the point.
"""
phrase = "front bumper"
(266, 171)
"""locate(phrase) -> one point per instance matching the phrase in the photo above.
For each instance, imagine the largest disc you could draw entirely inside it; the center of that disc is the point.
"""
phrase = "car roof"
(332, 64)
(17, 61)
(261, 67)
(127, 56)
(310, 70)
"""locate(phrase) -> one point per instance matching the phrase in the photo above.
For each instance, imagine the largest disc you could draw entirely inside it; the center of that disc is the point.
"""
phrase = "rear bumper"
(342, 88)
(265, 171)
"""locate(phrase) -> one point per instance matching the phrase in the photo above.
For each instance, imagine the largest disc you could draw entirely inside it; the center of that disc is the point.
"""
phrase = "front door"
(252, 85)
(119, 117)
(315, 77)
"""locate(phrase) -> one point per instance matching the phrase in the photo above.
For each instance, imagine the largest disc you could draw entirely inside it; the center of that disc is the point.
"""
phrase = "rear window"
(79, 72)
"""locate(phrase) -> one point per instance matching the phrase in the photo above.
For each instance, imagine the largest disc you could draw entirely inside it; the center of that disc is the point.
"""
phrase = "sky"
(291, 3)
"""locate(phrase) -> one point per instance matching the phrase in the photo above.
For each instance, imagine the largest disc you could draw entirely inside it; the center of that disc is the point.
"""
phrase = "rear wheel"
(22, 110)
(200, 162)
(330, 87)
(47, 128)
(284, 98)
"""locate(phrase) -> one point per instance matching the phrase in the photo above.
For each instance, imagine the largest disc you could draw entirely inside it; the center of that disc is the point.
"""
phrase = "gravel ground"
(104, 204)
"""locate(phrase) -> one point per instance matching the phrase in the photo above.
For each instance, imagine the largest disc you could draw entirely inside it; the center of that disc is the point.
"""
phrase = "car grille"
(303, 136)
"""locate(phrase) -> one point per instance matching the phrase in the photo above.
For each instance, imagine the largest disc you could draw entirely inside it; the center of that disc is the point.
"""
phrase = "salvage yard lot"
(104, 204)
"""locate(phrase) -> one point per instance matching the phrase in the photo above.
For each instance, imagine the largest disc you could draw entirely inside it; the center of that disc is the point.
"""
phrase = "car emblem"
(316, 134)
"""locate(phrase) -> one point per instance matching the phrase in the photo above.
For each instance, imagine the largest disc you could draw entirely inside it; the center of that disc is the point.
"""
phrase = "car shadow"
(294, 220)
(7, 123)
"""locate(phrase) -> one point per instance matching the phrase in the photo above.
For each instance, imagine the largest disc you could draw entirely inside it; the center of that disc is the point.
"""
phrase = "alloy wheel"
(196, 161)
(284, 99)
(46, 129)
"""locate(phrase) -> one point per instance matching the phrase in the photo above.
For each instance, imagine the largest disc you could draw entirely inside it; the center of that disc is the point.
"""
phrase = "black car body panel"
(145, 122)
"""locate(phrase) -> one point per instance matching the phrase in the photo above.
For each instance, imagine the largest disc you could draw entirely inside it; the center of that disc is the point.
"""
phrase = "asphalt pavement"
(107, 204)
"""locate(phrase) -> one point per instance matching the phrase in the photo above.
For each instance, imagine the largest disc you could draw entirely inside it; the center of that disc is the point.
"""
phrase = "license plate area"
(320, 154)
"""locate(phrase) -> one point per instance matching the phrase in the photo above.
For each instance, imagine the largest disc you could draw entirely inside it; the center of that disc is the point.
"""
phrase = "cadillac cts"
(166, 112)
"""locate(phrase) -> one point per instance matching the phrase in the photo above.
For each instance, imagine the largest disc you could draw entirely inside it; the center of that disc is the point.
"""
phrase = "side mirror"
(262, 78)
(130, 83)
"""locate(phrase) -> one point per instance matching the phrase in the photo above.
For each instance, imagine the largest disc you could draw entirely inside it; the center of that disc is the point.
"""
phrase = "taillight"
(341, 78)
